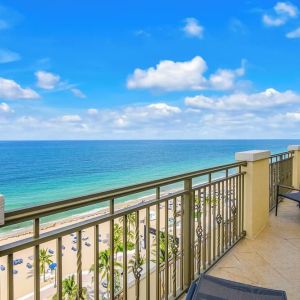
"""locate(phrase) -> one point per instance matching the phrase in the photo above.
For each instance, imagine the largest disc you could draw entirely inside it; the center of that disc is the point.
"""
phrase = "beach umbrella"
(15, 272)
(52, 267)
(2, 268)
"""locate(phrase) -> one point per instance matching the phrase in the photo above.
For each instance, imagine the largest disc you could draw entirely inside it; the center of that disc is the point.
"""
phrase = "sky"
(149, 69)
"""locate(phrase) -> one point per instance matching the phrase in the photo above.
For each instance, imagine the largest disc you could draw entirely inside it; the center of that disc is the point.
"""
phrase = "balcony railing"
(281, 172)
(155, 247)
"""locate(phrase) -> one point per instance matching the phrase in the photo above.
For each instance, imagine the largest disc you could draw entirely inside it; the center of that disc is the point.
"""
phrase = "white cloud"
(164, 109)
(273, 21)
(188, 75)
(285, 8)
(92, 111)
(71, 118)
(225, 79)
(9, 89)
(7, 56)
(192, 28)
(295, 34)
(78, 93)
(47, 80)
(294, 116)
(241, 101)
(169, 75)
(283, 11)
(5, 107)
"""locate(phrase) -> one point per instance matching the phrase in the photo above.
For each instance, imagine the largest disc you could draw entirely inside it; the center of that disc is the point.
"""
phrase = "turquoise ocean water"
(36, 172)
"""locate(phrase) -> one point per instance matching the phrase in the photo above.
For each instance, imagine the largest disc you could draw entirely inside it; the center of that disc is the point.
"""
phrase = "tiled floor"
(272, 260)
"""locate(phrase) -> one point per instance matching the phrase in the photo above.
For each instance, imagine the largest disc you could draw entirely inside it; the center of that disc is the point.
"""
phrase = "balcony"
(272, 260)
(154, 246)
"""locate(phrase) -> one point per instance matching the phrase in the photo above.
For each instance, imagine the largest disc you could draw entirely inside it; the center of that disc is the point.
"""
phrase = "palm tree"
(163, 254)
(69, 287)
(104, 266)
(45, 259)
(162, 248)
(136, 263)
(70, 290)
(131, 220)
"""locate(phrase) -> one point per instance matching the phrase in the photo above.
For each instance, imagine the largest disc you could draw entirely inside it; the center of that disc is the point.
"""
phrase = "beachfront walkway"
(272, 260)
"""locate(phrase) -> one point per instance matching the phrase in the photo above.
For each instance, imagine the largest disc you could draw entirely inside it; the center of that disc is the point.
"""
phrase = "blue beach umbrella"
(52, 266)
(2, 268)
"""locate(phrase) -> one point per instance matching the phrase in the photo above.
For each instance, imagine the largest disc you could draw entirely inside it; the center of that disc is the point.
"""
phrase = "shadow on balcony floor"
(272, 260)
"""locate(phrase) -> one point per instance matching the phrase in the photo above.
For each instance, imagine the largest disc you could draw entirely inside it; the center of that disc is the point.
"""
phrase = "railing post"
(187, 233)
(296, 165)
(256, 190)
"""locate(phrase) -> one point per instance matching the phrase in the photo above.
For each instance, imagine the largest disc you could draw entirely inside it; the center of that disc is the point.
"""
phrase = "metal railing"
(281, 172)
(185, 232)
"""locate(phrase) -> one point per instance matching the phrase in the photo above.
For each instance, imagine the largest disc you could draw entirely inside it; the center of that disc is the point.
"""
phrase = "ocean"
(36, 172)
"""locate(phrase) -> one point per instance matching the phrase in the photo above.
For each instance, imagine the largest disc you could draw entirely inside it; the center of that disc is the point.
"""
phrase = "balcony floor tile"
(272, 260)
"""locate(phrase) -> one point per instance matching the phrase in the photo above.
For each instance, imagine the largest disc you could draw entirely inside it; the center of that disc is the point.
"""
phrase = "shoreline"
(24, 277)
(68, 220)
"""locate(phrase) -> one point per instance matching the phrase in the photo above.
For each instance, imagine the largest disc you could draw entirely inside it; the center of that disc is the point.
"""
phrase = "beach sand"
(23, 280)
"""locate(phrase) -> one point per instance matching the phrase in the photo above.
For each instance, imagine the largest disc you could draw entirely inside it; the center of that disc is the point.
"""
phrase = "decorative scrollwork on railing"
(234, 211)
(137, 270)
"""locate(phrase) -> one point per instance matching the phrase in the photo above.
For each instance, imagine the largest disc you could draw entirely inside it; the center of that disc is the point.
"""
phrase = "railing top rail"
(81, 225)
(31, 213)
(282, 154)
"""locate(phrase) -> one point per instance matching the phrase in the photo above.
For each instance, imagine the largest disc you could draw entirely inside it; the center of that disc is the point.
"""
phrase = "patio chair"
(291, 194)
(213, 288)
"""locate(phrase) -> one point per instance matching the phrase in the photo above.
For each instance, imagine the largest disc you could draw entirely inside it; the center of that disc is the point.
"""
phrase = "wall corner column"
(296, 165)
(256, 190)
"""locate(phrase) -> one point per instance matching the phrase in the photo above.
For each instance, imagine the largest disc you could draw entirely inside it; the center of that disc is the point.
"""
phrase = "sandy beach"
(23, 279)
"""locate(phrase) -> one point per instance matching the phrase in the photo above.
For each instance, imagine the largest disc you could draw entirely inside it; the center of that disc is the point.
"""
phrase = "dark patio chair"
(290, 193)
(213, 288)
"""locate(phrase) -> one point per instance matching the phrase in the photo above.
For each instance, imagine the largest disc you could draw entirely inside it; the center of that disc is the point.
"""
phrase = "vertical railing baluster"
(209, 242)
(181, 243)
(204, 228)
(199, 232)
(166, 249)
(79, 262)
(192, 264)
(230, 212)
(188, 245)
(223, 216)
(125, 228)
(214, 199)
(137, 256)
(36, 234)
(10, 277)
(111, 284)
(226, 212)
(96, 262)
(158, 283)
(59, 267)
(147, 237)
(219, 219)
(242, 201)
(175, 246)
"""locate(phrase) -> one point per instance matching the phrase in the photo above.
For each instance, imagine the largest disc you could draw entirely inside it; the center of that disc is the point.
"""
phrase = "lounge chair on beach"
(287, 192)
(74, 249)
(15, 272)
(29, 266)
(51, 251)
(2, 268)
(213, 288)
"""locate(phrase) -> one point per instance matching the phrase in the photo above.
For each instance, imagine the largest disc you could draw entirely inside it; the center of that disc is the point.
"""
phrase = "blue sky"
(149, 69)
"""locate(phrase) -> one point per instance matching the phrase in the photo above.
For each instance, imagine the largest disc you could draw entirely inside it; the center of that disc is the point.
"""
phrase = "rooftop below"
(272, 260)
